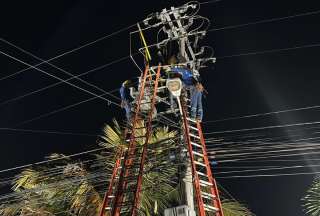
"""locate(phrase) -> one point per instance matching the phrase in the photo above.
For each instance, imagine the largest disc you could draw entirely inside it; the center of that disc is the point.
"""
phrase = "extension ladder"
(207, 194)
(123, 195)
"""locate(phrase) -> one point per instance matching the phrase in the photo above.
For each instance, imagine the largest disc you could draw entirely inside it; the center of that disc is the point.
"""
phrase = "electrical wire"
(268, 156)
(266, 21)
(66, 80)
(54, 66)
(267, 169)
(62, 80)
(268, 175)
(262, 114)
(60, 110)
(70, 51)
(263, 128)
(46, 132)
(50, 160)
(315, 45)
(209, 2)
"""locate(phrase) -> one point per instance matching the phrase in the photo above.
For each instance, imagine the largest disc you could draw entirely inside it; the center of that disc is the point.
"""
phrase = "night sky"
(237, 85)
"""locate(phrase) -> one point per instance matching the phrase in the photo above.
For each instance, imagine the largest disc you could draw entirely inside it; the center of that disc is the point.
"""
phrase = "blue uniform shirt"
(186, 75)
(124, 93)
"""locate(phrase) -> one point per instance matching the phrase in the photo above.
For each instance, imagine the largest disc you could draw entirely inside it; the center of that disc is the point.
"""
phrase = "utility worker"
(190, 83)
(196, 101)
(125, 98)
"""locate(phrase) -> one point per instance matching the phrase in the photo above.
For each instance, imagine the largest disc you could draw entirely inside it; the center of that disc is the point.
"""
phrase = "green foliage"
(311, 201)
(234, 208)
(157, 187)
(72, 192)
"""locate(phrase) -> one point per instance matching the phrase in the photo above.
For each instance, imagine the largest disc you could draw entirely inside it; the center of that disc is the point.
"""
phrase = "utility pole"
(183, 27)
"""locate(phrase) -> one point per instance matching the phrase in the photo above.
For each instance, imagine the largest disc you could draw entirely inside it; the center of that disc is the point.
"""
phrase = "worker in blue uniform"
(196, 101)
(196, 90)
(125, 98)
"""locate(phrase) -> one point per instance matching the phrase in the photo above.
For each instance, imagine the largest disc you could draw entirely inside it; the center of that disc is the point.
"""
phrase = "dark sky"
(237, 85)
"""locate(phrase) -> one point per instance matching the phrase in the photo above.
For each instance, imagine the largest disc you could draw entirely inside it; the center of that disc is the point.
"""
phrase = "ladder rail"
(106, 199)
(197, 150)
(214, 187)
(128, 162)
(144, 153)
(193, 166)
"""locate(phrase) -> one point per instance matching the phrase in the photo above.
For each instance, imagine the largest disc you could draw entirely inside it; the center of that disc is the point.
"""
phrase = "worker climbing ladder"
(123, 195)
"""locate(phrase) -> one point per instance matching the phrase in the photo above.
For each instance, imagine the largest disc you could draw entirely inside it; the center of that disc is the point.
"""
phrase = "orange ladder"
(123, 195)
(207, 194)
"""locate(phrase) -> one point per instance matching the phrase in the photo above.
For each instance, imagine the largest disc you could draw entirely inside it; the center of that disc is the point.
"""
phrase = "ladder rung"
(210, 208)
(193, 128)
(207, 195)
(205, 183)
(112, 196)
(201, 174)
(108, 208)
(190, 119)
(195, 136)
(148, 102)
(195, 144)
(162, 87)
(199, 163)
(197, 153)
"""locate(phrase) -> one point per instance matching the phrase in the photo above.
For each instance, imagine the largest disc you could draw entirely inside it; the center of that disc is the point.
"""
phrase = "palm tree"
(234, 208)
(56, 189)
(158, 187)
(68, 188)
(72, 190)
(311, 201)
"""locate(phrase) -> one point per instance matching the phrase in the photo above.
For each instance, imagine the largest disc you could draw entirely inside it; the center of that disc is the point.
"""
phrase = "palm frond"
(234, 208)
(311, 201)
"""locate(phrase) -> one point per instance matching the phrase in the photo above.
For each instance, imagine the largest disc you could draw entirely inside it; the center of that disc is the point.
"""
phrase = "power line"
(209, 2)
(62, 80)
(46, 132)
(54, 66)
(268, 156)
(252, 53)
(266, 21)
(271, 51)
(267, 169)
(268, 175)
(70, 51)
(262, 153)
(262, 114)
(58, 110)
(51, 160)
(262, 128)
